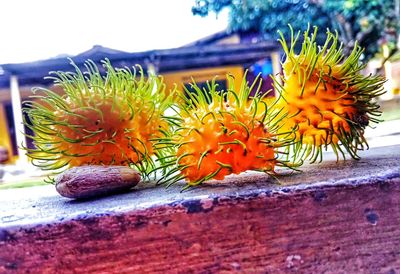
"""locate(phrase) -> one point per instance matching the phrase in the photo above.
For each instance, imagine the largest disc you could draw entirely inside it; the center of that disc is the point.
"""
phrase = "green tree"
(372, 22)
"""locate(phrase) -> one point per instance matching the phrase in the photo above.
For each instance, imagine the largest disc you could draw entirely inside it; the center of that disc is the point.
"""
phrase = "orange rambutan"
(99, 119)
(324, 97)
(218, 133)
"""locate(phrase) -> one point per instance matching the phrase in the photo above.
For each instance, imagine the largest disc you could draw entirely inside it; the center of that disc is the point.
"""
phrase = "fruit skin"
(101, 119)
(220, 133)
(325, 99)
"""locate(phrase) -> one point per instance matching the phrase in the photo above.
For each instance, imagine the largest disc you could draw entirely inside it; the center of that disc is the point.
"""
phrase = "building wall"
(6, 125)
(5, 140)
(395, 77)
(181, 78)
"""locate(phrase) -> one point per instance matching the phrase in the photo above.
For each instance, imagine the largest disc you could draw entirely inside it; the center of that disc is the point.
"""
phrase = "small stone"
(92, 181)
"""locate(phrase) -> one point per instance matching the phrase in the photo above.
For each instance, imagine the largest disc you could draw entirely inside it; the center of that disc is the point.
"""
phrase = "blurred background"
(179, 39)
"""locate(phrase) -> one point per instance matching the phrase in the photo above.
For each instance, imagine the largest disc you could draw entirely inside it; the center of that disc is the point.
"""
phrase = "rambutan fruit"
(218, 133)
(101, 118)
(324, 97)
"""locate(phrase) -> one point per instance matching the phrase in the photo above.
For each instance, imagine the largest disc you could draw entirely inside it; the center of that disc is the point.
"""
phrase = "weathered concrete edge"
(195, 204)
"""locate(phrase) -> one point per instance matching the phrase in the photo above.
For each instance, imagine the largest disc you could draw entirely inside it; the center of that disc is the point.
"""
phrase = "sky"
(32, 30)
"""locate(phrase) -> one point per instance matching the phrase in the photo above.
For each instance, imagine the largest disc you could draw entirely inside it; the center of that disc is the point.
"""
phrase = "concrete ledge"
(335, 218)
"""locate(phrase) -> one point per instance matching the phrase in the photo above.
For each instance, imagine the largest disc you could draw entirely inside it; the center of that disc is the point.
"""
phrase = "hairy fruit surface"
(325, 99)
(100, 119)
(222, 133)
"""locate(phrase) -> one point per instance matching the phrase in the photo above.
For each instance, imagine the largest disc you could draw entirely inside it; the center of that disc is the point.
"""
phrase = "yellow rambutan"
(324, 98)
(101, 119)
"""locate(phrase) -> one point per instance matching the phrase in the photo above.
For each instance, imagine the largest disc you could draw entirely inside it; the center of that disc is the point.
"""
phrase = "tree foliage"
(371, 22)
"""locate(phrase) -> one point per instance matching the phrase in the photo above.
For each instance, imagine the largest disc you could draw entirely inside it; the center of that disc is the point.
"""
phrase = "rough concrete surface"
(332, 218)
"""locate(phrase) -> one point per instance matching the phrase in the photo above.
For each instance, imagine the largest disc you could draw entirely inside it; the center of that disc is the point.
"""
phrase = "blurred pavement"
(384, 134)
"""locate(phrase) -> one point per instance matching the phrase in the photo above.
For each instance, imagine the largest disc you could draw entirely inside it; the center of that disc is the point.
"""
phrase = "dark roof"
(168, 60)
(32, 73)
(211, 39)
(212, 56)
(245, 37)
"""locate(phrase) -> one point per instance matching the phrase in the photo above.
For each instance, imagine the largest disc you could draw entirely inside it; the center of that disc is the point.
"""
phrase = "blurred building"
(213, 56)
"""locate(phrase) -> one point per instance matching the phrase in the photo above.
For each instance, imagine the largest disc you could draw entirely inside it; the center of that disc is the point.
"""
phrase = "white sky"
(38, 29)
